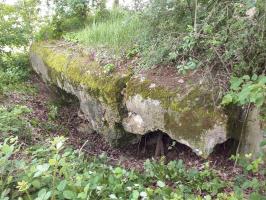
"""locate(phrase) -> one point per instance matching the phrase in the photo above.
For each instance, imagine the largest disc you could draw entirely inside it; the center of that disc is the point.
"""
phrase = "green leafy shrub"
(13, 121)
(53, 171)
(108, 68)
(131, 52)
(246, 90)
(13, 72)
(47, 32)
(8, 166)
(72, 23)
(216, 34)
(13, 75)
(13, 32)
(248, 163)
(68, 16)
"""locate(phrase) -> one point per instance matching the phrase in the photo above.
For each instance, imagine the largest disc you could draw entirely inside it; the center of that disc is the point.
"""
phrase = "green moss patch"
(195, 110)
(80, 70)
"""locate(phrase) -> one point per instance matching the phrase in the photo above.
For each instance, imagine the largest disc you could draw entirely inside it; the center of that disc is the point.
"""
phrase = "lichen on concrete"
(99, 93)
(81, 71)
(189, 118)
(118, 103)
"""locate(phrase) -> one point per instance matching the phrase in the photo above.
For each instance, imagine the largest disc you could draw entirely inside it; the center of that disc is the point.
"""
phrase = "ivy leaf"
(208, 197)
(82, 195)
(246, 77)
(254, 77)
(260, 100)
(52, 162)
(227, 99)
(36, 184)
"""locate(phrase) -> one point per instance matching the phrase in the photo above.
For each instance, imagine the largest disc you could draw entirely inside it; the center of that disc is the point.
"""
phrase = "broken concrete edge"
(188, 118)
(104, 118)
(118, 104)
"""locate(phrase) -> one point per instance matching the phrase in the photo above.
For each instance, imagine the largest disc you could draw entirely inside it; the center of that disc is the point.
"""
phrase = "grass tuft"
(118, 32)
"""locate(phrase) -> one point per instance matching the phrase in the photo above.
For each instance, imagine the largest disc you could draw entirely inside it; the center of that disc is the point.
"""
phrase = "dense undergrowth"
(52, 171)
(14, 71)
(118, 31)
(224, 38)
(48, 168)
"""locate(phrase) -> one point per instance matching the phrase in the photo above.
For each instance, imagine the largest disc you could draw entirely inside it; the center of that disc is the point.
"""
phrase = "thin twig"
(82, 147)
(219, 56)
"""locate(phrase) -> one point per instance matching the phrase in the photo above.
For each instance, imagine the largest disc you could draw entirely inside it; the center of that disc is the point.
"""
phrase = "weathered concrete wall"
(188, 117)
(118, 104)
(99, 94)
(254, 133)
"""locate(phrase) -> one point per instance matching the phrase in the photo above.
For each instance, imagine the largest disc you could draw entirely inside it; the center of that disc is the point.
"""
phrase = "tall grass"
(119, 31)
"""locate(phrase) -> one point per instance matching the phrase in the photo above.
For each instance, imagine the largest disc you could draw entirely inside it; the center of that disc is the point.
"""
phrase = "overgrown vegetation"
(12, 122)
(222, 38)
(14, 71)
(217, 34)
(118, 31)
(52, 171)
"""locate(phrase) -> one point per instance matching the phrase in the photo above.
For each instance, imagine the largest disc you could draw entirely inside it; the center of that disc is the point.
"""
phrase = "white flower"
(129, 188)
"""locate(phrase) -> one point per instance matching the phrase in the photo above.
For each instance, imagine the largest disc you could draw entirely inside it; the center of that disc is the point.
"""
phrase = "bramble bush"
(220, 35)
